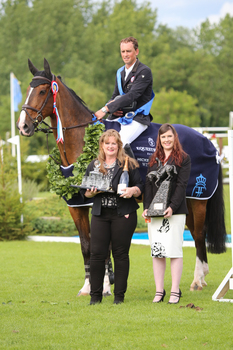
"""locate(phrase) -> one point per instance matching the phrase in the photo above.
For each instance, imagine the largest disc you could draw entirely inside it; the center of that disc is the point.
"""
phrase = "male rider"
(132, 97)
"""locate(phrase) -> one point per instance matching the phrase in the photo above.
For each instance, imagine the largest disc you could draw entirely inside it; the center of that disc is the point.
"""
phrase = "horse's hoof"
(80, 293)
(195, 287)
(107, 294)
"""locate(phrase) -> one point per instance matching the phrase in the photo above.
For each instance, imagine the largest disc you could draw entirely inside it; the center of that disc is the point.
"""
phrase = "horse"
(75, 116)
(206, 217)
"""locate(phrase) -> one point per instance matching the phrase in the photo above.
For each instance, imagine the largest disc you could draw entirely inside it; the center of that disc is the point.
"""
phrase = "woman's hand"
(130, 191)
(92, 192)
(144, 214)
(168, 212)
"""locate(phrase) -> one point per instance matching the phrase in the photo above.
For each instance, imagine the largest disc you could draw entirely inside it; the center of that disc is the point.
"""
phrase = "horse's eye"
(42, 92)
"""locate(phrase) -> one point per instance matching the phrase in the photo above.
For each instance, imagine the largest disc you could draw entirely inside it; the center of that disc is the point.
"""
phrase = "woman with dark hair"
(114, 216)
(166, 233)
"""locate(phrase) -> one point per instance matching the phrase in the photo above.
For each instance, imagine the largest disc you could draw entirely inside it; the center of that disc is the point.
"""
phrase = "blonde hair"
(120, 154)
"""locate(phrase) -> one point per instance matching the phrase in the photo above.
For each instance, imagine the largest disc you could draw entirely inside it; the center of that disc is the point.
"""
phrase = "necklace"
(109, 165)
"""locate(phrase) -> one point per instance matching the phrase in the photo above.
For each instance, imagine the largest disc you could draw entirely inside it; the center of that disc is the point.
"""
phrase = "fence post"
(227, 283)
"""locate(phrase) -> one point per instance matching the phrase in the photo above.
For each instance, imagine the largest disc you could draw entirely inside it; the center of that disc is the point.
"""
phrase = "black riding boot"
(128, 150)
(108, 266)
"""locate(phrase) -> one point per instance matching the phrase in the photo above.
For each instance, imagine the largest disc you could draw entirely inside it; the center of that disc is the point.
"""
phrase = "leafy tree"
(177, 108)
(108, 26)
(80, 39)
(216, 40)
(11, 208)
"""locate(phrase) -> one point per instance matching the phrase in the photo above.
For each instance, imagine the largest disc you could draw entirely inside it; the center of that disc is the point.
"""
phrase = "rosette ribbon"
(54, 87)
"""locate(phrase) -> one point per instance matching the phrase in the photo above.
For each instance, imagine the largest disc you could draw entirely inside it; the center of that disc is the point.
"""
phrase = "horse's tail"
(215, 221)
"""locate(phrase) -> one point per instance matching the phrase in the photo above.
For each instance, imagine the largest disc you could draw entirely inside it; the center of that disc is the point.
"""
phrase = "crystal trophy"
(96, 179)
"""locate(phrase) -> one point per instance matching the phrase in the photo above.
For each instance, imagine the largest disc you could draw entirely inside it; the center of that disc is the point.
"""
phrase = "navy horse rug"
(205, 160)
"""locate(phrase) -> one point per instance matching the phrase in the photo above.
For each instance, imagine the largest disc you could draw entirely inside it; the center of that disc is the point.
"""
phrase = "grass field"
(39, 308)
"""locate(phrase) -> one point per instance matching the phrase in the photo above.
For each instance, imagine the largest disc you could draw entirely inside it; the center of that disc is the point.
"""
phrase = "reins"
(39, 118)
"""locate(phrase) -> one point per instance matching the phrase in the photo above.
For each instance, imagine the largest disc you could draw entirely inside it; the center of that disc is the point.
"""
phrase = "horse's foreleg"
(201, 270)
(81, 220)
(108, 278)
(195, 222)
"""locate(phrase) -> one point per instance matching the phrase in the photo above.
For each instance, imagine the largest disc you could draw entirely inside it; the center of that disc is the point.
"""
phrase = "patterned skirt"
(166, 236)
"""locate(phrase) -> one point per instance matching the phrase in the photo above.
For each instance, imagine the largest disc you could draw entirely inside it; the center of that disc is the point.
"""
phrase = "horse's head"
(39, 101)
(152, 175)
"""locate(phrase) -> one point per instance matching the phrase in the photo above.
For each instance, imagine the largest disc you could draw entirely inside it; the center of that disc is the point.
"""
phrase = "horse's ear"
(47, 68)
(32, 68)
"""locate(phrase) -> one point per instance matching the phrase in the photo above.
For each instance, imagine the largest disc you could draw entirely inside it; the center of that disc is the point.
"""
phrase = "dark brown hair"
(177, 153)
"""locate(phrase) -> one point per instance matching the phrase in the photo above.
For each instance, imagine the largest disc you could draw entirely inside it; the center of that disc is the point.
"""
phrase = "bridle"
(25, 108)
(38, 121)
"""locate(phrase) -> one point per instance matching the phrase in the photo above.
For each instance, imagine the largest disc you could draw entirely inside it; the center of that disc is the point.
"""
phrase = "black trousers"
(106, 228)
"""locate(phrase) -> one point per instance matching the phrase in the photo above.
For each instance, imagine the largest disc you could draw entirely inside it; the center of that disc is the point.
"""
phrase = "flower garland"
(57, 182)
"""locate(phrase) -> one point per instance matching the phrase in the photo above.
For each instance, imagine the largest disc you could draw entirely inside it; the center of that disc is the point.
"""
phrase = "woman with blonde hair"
(114, 216)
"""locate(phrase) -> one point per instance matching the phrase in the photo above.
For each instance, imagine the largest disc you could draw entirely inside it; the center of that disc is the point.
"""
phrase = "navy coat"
(137, 87)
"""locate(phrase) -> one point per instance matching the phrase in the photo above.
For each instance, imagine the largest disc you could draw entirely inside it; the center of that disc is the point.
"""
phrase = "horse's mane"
(43, 74)
(75, 95)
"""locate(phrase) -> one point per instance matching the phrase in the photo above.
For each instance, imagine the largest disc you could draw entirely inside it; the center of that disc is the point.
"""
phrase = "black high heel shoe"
(162, 294)
(177, 295)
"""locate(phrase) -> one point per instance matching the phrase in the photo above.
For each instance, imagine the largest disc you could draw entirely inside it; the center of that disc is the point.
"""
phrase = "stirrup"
(128, 150)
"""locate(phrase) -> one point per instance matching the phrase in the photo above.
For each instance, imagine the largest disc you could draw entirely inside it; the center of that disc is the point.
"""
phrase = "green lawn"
(39, 308)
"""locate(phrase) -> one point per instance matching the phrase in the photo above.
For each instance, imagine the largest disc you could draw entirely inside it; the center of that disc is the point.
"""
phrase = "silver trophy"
(96, 179)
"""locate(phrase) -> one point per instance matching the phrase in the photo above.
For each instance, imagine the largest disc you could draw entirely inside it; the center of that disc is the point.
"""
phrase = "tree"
(177, 108)
(103, 34)
(216, 40)
(11, 208)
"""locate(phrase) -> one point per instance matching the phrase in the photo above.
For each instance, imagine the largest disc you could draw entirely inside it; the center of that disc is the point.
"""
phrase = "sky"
(190, 13)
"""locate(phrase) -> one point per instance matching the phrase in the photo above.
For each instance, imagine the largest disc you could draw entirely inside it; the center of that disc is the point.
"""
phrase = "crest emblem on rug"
(200, 186)
(151, 142)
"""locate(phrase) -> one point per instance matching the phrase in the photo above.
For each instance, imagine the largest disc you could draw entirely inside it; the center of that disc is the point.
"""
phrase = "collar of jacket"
(136, 66)
(133, 71)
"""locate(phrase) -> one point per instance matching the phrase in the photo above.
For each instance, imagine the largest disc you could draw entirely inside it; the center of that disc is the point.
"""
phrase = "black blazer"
(124, 205)
(137, 87)
(179, 184)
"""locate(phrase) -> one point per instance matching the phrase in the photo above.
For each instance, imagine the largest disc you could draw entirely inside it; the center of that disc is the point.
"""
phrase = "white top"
(127, 71)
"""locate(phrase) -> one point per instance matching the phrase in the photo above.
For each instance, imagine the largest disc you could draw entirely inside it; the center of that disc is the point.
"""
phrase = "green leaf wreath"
(61, 185)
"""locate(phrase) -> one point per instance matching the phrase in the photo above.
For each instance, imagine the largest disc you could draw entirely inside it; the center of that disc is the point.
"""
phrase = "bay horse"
(206, 217)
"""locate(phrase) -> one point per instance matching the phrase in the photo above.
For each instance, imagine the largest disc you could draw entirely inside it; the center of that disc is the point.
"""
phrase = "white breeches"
(130, 131)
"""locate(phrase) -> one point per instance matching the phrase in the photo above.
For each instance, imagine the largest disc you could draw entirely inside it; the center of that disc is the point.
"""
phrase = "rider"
(133, 95)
